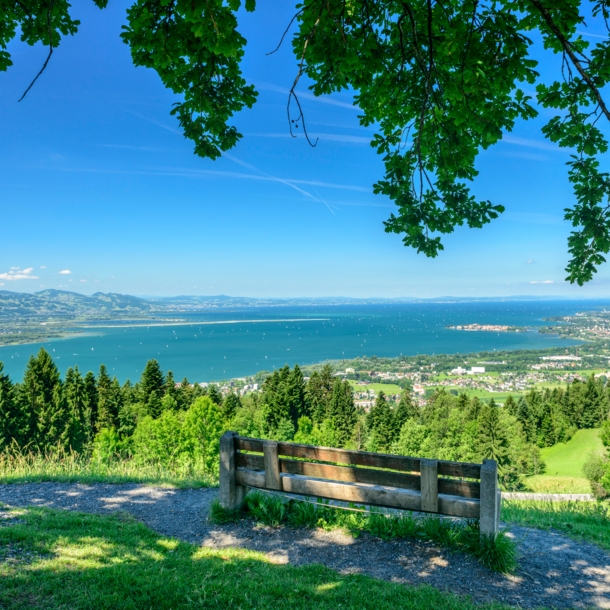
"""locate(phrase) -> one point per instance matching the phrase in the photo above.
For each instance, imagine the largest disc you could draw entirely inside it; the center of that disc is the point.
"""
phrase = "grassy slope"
(564, 463)
(82, 561)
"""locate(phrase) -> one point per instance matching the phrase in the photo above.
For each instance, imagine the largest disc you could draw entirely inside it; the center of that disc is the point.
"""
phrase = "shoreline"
(205, 323)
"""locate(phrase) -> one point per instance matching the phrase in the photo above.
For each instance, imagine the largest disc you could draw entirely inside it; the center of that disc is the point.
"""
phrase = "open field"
(564, 463)
(386, 388)
(61, 559)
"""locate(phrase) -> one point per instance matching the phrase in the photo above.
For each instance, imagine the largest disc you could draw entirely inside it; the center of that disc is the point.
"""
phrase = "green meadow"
(564, 463)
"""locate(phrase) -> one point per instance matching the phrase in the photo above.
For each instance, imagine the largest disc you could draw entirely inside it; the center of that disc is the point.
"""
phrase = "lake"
(224, 343)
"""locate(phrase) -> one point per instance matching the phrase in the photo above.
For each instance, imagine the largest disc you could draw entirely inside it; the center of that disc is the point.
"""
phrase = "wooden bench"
(393, 481)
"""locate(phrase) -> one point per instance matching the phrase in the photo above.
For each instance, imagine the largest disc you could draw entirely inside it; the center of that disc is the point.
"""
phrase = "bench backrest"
(458, 489)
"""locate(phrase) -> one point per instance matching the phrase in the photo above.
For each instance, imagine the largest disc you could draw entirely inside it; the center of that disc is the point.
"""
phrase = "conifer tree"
(493, 434)
(13, 424)
(170, 386)
(274, 400)
(380, 422)
(185, 395)
(318, 393)
(295, 394)
(106, 415)
(230, 405)
(214, 394)
(41, 397)
(404, 411)
(75, 397)
(594, 404)
(154, 406)
(152, 380)
(510, 405)
(90, 403)
(463, 402)
(342, 411)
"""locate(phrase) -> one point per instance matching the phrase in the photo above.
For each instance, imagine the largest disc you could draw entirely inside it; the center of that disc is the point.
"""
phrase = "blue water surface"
(224, 343)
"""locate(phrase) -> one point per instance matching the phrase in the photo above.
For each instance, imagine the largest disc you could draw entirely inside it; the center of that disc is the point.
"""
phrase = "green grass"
(386, 388)
(564, 463)
(589, 521)
(497, 554)
(72, 467)
(78, 561)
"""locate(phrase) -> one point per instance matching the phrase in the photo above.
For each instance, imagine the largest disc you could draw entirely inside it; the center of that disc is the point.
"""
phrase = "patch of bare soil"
(555, 571)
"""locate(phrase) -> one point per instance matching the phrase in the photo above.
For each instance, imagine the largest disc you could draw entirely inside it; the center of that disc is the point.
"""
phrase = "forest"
(158, 420)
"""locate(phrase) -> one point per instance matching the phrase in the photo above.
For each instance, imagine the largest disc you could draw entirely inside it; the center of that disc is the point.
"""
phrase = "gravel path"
(555, 571)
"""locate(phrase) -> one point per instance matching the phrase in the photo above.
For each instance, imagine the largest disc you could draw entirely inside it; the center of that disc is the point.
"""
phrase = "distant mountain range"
(65, 304)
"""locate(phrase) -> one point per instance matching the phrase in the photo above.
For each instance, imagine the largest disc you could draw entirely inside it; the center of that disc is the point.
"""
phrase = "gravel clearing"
(555, 571)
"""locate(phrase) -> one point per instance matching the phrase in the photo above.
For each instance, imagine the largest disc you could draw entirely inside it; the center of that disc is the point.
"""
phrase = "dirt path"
(555, 571)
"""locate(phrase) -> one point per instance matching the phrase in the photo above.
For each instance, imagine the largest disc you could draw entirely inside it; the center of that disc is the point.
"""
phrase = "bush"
(189, 440)
(597, 471)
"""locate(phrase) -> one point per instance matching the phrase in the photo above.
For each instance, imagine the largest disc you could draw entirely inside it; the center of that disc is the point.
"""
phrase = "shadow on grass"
(81, 561)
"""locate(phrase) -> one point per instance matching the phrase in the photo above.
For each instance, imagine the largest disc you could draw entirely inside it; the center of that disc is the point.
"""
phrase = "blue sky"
(96, 180)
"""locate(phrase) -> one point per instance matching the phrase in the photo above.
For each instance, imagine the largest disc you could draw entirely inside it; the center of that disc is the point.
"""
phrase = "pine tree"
(41, 397)
(594, 404)
(318, 392)
(152, 380)
(230, 405)
(75, 397)
(463, 402)
(295, 395)
(380, 422)
(170, 386)
(404, 411)
(342, 411)
(510, 405)
(214, 394)
(90, 403)
(274, 400)
(493, 434)
(106, 415)
(13, 424)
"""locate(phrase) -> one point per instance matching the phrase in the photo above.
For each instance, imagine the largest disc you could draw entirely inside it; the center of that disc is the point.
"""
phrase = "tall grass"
(70, 467)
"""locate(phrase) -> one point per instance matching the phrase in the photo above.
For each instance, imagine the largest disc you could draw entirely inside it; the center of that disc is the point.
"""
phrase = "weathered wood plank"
(465, 489)
(363, 494)
(230, 494)
(272, 466)
(249, 444)
(458, 507)
(250, 461)
(459, 469)
(350, 458)
(250, 478)
(489, 498)
(429, 486)
(351, 492)
(361, 458)
(350, 474)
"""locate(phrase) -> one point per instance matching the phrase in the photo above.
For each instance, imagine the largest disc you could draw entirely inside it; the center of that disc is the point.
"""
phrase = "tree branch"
(548, 18)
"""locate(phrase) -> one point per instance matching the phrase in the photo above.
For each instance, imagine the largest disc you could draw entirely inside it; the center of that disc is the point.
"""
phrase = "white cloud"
(1, 283)
(530, 262)
(543, 282)
(83, 281)
(65, 272)
(43, 266)
(16, 273)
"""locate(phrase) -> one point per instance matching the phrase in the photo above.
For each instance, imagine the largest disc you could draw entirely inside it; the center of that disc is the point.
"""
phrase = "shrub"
(597, 471)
